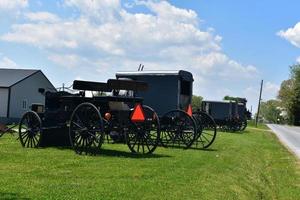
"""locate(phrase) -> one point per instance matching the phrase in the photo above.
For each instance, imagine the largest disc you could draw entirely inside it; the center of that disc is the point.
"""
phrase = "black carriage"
(170, 94)
(228, 115)
(85, 122)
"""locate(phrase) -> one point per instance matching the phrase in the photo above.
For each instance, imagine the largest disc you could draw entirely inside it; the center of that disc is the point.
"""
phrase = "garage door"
(3, 102)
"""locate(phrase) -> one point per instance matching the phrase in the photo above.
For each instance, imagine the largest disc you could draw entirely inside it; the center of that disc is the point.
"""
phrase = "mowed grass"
(252, 165)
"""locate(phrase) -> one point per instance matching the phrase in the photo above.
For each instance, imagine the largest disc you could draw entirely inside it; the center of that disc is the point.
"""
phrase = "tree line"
(286, 108)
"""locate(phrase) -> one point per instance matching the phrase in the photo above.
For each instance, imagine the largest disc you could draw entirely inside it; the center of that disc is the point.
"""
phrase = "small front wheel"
(30, 130)
(209, 129)
(178, 129)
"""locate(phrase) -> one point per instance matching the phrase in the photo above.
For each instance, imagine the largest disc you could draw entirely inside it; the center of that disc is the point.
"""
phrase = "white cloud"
(104, 37)
(97, 10)
(69, 61)
(298, 60)
(9, 5)
(42, 35)
(5, 62)
(41, 17)
(165, 10)
(292, 35)
(270, 90)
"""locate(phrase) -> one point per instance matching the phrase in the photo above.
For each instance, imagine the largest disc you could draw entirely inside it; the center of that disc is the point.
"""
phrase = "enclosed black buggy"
(170, 94)
(84, 122)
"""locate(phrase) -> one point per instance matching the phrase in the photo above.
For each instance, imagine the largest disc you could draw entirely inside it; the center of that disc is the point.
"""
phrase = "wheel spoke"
(205, 138)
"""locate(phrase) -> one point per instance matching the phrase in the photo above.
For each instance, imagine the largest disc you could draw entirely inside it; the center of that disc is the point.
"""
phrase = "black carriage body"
(168, 90)
(170, 94)
(221, 111)
(59, 106)
(242, 111)
(228, 115)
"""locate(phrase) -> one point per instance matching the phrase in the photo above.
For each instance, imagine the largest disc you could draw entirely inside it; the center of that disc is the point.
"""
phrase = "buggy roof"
(90, 86)
(185, 75)
(225, 101)
(127, 85)
(112, 84)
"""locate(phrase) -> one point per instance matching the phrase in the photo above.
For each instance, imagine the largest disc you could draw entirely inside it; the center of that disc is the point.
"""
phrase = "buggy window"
(185, 88)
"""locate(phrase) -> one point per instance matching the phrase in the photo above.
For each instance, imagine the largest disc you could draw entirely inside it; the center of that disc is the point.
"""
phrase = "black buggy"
(85, 122)
(170, 94)
(228, 115)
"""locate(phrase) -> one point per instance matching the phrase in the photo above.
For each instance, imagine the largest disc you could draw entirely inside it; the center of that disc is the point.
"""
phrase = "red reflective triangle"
(138, 114)
(189, 110)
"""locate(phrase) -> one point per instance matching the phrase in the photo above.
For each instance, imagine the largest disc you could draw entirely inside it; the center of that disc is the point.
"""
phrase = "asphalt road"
(289, 136)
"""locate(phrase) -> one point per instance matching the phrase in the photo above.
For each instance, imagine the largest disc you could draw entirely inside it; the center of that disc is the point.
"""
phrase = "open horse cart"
(85, 122)
(228, 115)
(170, 94)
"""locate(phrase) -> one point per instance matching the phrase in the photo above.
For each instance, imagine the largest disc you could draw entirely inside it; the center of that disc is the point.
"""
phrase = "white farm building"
(19, 88)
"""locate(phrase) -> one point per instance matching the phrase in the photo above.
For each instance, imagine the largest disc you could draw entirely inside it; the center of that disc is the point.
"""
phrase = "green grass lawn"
(252, 165)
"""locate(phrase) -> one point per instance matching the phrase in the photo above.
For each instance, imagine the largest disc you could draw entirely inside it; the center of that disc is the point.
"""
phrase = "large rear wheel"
(143, 137)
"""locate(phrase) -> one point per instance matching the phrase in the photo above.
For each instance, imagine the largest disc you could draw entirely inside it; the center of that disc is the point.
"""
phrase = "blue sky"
(229, 46)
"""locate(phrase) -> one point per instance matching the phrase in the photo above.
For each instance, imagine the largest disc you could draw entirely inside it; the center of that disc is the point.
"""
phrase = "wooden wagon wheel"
(86, 129)
(208, 128)
(178, 128)
(143, 137)
(30, 130)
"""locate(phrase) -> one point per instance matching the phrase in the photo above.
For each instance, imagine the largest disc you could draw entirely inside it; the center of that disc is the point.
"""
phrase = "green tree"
(196, 102)
(289, 95)
(238, 99)
(270, 111)
(286, 97)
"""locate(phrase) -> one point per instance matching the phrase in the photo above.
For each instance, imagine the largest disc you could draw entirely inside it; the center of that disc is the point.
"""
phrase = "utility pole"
(259, 100)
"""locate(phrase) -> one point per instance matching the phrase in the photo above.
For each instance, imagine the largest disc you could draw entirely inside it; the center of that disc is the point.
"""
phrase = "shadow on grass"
(11, 196)
(184, 148)
(236, 132)
(117, 153)
(201, 149)
(112, 153)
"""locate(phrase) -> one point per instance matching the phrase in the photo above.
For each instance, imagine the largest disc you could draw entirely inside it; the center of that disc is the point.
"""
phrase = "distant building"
(19, 88)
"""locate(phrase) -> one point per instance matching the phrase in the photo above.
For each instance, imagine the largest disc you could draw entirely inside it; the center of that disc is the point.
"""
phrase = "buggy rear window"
(185, 88)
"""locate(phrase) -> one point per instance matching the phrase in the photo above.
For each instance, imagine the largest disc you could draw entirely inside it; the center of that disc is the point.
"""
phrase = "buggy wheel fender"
(30, 130)
(143, 137)
(178, 129)
(86, 129)
(209, 130)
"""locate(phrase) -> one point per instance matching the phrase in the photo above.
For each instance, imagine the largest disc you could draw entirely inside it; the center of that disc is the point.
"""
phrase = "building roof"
(9, 77)
(184, 74)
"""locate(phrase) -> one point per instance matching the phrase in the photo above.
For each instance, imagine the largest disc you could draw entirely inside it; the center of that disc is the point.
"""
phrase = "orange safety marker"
(138, 114)
(189, 110)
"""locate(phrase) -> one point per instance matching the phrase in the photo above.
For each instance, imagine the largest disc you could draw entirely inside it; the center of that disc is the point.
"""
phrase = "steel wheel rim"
(30, 130)
(86, 132)
(143, 137)
(209, 130)
(182, 128)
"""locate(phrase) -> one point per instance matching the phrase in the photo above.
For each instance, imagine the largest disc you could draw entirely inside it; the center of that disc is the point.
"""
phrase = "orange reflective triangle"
(189, 110)
(138, 114)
